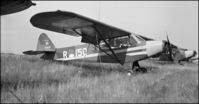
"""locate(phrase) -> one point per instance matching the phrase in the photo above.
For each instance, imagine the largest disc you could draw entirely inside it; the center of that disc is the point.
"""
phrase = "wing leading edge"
(74, 24)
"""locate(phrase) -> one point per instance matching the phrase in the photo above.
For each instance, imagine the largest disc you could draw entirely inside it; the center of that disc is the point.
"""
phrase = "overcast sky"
(148, 18)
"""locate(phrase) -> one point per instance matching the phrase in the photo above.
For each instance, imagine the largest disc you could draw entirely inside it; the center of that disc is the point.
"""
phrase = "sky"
(148, 18)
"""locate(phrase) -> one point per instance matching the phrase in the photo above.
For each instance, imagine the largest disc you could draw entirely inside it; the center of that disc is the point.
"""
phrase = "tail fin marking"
(44, 43)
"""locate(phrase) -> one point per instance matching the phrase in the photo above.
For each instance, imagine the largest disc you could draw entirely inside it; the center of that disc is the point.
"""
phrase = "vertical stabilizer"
(44, 43)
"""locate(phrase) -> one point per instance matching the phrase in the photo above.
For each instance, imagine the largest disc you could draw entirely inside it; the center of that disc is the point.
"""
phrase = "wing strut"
(116, 58)
(105, 52)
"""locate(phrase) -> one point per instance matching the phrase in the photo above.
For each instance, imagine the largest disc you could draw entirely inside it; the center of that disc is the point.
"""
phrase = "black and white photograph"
(99, 51)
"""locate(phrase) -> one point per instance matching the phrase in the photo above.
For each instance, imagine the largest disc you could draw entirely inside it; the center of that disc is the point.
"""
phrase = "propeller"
(194, 53)
(169, 48)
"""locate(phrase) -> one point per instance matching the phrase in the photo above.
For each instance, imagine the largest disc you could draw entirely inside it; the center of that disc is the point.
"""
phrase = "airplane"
(104, 43)
(173, 53)
(13, 6)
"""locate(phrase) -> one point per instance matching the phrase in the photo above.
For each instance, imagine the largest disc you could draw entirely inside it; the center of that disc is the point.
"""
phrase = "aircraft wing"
(76, 25)
(12, 6)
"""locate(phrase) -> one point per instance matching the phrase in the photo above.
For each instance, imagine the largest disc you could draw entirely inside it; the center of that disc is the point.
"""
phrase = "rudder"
(44, 43)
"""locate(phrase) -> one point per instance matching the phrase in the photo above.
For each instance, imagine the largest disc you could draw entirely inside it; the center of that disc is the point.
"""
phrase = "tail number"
(65, 54)
(81, 52)
(78, 53)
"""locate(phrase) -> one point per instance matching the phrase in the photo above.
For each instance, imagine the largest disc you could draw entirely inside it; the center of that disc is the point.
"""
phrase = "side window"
(102, 43)
(111, 42)
(133, 42)
(122, 42)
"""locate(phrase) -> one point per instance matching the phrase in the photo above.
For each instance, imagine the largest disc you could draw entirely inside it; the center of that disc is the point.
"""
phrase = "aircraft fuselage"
(91, 53)
(125, 54)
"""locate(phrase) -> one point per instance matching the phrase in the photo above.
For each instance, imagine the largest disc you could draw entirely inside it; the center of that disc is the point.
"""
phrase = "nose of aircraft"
(154, 47)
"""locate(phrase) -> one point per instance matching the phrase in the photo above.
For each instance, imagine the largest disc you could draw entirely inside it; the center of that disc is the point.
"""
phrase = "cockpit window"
(119, 42)
(122, 42)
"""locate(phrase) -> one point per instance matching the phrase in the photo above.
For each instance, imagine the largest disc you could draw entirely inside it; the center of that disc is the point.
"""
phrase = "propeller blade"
(170, 48)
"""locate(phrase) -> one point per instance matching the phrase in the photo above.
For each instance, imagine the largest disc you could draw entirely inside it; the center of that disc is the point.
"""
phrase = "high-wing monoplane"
(104, 43)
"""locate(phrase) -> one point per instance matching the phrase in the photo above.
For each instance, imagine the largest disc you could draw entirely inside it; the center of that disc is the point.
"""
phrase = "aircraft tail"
(44, 45)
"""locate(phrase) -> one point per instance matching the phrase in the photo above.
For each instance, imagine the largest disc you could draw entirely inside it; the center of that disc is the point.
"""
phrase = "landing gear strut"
(136, 67)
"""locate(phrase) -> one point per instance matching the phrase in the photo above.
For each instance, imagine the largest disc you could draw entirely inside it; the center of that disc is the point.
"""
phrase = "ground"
(30, 80)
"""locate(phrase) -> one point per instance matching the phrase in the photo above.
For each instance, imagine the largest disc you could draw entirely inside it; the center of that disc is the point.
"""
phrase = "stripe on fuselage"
(132, 51)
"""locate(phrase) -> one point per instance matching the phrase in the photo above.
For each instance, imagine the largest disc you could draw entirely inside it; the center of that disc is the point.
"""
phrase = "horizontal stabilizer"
(31, 52)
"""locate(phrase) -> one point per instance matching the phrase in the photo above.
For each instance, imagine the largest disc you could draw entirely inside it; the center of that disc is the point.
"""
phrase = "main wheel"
(135, 66)
(143, 70)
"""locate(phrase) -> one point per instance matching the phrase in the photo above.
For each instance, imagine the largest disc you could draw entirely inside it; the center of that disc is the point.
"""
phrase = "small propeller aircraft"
(104, 43)
(13, 6)
(173, 53)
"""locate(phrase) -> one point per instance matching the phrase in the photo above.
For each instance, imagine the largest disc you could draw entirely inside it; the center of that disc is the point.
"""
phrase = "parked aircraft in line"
(105, 43)
(174, 53)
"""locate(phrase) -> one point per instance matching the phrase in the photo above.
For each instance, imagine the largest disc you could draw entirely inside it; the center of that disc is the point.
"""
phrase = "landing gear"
(136, 68)
(179, 62)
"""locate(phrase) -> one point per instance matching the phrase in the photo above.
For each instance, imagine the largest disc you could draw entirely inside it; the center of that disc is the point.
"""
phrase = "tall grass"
(21, 70)
(34, 80)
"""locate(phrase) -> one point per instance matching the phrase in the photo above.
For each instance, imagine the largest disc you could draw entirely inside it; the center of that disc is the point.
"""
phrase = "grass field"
(31, 80)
